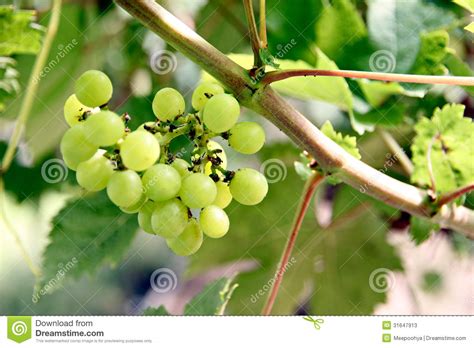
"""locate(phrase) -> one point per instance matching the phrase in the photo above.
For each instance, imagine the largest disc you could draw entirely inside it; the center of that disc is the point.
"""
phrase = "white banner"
(223, 331)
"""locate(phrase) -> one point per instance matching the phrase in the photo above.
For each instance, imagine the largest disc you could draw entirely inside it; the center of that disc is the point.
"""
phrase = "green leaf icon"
(19, 329)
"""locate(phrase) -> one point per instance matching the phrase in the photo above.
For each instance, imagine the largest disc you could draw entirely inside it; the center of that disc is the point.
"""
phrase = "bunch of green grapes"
(141, 174)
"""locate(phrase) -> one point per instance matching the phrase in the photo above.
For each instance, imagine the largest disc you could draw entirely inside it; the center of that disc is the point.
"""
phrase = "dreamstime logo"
(274, 170)
(54, 170)
(381, 280)
(19, 329)
(382, 61)
(163, 62)
(163, 280)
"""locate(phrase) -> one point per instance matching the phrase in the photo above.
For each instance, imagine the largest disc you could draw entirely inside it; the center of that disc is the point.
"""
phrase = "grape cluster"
(141, 174)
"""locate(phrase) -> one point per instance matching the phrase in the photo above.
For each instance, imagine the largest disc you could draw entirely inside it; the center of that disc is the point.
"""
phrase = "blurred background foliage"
(341, 243)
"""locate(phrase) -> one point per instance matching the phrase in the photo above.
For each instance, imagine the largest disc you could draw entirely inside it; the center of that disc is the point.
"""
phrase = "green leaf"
(87, 233)
(339, 24)
(392, 113)
(377, 92)
(17, 33)
(470, 27)
(291, 28)
(9, 85)
(432, 52)
(347, 142)
(467, 4)
(161, 310)
(213, 299)
(429, 61)
(268, 58)
(452, 149)
(395, 26)
(420, 229)
(459, 68)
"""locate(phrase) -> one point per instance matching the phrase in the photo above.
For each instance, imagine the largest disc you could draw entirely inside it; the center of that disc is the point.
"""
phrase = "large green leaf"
(450, 136)
(339, 25)
(87, 234)
(17, 33)
(258, 234)
(395, 26)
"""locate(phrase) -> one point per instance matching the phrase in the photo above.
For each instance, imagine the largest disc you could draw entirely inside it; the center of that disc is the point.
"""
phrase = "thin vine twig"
(25, 111)
(253, 31)
(32, 87)
(279, 75)
(310, 187)
(263, 24)
(449, 197)
(397, 151)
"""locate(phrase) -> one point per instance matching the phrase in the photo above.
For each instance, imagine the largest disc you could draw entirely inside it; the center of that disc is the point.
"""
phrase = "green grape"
(248, 186)
(221, 113)
(135, 208)
(168, 104)
(247, 137)
(73, 110)
(125, 188)
(93, 88)
(169, 218)
(204, 92)
(139, 151)
(188, 242)
(75, 148)
(214, 221)
(94, 174)
(223, 197)
(161, 182)
(198, 190)
(182, 167)
(104, 128)
(144, 217)
(157, 135)
(212, 145)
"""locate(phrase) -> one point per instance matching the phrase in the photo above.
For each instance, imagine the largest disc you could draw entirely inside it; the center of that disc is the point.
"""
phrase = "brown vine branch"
(449, 197)
(264, 100)
(310, 187)
(279, 75)
(253, 32)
